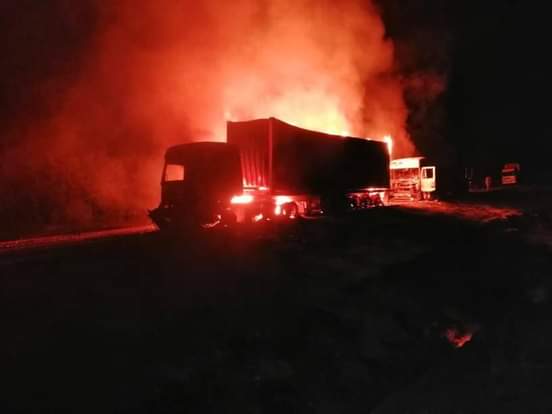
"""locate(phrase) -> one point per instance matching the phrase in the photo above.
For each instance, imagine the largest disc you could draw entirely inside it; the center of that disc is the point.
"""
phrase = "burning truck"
(412, 178)
(269, 170)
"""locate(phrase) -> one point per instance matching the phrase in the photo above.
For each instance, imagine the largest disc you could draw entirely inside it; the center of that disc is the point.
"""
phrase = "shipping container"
(292, 160)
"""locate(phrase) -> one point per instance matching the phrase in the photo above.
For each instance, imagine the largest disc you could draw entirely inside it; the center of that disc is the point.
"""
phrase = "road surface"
(355, 314)
(54, 240)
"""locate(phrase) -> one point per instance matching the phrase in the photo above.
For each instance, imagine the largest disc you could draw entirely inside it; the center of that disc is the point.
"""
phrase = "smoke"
(145, 75)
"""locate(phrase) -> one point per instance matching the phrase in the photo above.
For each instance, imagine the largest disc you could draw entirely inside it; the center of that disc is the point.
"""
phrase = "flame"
(279, 201)
(282, 199)
(318, 68)
(388, 139)
(242, 199)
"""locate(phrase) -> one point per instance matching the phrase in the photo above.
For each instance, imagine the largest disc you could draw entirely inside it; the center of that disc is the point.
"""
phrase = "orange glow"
(242, 199)
(456, 338)
(333, 58)
(326, 66)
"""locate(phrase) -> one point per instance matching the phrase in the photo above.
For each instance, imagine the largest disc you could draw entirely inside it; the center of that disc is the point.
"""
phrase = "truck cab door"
(428, 179)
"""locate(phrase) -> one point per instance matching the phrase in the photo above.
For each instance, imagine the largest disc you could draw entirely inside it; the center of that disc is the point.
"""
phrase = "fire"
(319, 68)
(388, 139)
(242, 199)
(310, 109)
(279, 201)
(458, 338)
(282, 199)
(186, 67)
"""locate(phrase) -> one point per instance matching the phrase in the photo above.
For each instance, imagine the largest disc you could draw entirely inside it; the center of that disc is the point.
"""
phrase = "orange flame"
(242, 199)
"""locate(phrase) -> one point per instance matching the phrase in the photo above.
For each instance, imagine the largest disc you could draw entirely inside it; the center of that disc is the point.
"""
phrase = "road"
(56, 240)
(351, 314)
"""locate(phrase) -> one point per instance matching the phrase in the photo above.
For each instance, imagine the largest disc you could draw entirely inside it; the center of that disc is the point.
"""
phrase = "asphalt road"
(351, 314)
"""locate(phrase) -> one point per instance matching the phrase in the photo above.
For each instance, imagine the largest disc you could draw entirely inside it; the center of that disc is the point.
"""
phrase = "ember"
(457, 337)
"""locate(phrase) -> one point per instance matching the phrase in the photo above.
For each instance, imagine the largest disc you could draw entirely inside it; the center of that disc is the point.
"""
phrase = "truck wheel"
(289, 210)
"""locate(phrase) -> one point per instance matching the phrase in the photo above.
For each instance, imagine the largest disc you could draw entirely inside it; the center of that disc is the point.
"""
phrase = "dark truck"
(269, 170)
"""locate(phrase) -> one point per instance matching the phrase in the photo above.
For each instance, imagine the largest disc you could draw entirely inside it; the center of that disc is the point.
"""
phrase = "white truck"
(412, 179)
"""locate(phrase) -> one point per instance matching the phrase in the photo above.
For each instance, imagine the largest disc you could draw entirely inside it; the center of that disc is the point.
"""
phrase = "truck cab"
(198, 182)
(412, 178)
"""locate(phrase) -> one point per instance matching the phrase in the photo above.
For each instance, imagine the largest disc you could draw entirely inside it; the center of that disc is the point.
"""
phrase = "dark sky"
(500, 82)
(495, 56)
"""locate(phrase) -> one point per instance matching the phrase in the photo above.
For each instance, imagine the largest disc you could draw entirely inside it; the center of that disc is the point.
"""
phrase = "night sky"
(494, 54)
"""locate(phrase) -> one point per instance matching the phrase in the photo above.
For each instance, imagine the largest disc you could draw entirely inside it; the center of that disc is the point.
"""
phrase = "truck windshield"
(174, 172)
(404, 173)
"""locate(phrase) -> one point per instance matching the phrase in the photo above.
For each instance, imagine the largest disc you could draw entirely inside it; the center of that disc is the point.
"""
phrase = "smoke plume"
(135, 76)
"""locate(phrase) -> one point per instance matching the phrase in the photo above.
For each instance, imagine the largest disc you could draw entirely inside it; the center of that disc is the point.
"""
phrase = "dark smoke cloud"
(94, 91)
(424, 34)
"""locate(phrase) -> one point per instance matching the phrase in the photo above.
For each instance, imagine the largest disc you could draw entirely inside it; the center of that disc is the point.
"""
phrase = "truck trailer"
(270, 170)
